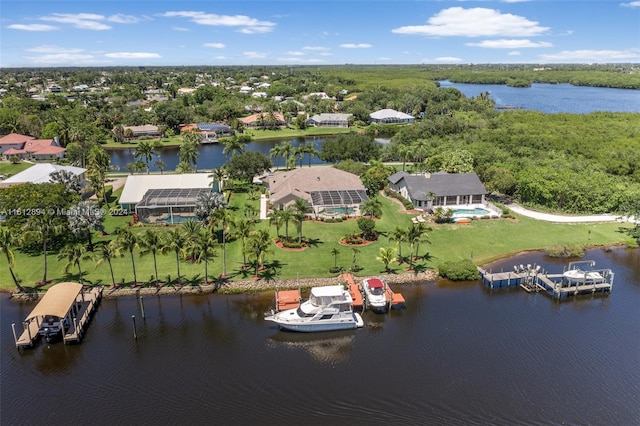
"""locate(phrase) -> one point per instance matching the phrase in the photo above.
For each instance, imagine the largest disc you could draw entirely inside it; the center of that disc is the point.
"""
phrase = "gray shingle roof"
(442, 184)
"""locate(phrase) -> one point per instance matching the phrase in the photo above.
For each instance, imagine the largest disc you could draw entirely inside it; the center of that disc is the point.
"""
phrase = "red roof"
(13, 151)
(13, 138)
(38, 145)
(50, 150)
(375, 283)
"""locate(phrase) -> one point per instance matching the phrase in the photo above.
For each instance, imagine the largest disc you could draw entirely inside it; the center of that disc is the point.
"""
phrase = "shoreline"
(240, 287)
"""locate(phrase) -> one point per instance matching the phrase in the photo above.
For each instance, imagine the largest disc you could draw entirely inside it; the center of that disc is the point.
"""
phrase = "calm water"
(555, 98)
(458, 354)
(211, 156)
(549, 98)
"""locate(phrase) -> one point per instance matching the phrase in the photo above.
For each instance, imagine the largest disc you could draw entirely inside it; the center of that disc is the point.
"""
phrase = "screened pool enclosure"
(338, 202)
(169, 205)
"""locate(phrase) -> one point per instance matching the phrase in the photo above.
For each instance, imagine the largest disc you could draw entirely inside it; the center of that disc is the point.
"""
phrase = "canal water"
(458, 354)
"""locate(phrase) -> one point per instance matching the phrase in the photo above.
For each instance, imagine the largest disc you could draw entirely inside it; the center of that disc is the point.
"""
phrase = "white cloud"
(132, 55)
(448, 59)
(254, 55)
(298, 60)
(215, 45)
(383, 59)
(248, 25)
(631, 4)
(295, 53)
(32, 27)
(316, 48)
(84, 21)
(509, 44)
(514, 53)
(62, 58)
(219, 57)
(356, 45)
(592, 55)
(180, 29)
(120, 18)
(474, 22)
(49, 48)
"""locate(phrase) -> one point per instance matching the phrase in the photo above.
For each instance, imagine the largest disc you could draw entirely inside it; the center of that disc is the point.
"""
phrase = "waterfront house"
(209, 132)
(329, 120)
(148, 130)
(30, 148)
(41, 173)
(390, 116)
(429, 190)
(326, 189)
(264, 120)
(164, 198)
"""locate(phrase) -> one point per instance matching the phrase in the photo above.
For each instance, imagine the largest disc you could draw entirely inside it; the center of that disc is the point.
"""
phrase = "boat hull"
(580, 277)
(318, 326)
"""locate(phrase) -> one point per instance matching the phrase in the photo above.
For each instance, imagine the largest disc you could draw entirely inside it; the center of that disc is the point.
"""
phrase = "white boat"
(51, 328)
(328, 308)
(578, 276)
(375, 294)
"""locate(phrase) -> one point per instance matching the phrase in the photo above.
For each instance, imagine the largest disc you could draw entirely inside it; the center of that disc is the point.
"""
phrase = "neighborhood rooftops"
(137, 185)
(40, 173)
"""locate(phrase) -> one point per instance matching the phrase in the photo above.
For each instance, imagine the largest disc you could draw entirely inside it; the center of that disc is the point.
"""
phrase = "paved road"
(566, 218)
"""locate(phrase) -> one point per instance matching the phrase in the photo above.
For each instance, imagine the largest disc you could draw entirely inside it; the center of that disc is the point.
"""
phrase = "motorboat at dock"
(328, 308)
(578, 276)
(376, 295)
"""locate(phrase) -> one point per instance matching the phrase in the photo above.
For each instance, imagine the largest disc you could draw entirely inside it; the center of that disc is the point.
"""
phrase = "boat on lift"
(327, 308)
(376, 295)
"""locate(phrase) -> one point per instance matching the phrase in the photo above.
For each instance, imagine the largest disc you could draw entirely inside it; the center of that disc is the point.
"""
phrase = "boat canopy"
(375, 283)
(57, 301)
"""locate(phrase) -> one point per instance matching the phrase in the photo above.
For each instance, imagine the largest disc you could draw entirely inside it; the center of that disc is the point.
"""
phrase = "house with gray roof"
(390, 116)
(329, 120)
(429, 190)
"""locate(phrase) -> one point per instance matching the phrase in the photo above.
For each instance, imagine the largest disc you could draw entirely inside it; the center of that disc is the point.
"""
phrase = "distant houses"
(390, 116)
(209, 132)
(264, 120)
(330, 120)
(29, 148)
(147, 130)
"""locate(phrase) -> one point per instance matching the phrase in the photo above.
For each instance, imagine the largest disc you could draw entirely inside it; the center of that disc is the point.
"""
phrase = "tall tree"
(206, 204)
(224, 219)
(233, 145)
(399, 235)
(300, 208)
(41, 229)
(74, 253)
(386, 256)
(152, 243)
(144, 152)
(176, 241)
(204, 245)
(106, 253)
(258, 245)
(6, 242)
(243, 229)
(129, 241)
(84, 217)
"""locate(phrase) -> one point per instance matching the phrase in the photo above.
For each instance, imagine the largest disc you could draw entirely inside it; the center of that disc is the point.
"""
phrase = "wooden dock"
(78, 314)
(555, 285)
(287, 299)
(354, 290)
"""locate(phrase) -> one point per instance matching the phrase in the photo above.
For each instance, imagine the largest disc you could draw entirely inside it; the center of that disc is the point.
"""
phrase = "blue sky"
(303, 32)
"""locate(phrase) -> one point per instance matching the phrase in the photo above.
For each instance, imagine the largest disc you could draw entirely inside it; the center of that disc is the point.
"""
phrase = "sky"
(310, 32)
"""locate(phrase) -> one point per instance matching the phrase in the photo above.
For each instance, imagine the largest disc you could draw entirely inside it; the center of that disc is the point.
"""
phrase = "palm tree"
(85, 217)
(416, 235)
(127, 240)
(355, 251)
(219, 175)
(41, 229)
(387, 256)
(373, 207)
(301, 208)
(225, 219)
(276, 152)
(244, 228)
(176, 241)
(189, 154)
(160, 164)
(6, 241)
(286, 216)
(233, 146)
(105, 253)
(144, 151)
(258, 245)
(422, 230)
(151, 243)
(335, 252)
(309, 149)
(206, 204)
(191, 229)
(74, 253)
(399, 235)
(275, 218)
(203, 246)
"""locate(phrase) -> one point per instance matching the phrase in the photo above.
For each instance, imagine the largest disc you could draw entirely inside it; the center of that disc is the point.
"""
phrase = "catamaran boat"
(328, 308)
(52, 328)
(375, 294)
(578, 276)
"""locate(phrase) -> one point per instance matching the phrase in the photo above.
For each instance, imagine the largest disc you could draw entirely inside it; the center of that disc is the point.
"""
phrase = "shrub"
(408, 205)
(463, 270)
(565, 251)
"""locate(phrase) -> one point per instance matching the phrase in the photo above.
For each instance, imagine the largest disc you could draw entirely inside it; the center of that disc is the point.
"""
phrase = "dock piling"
(135, 334)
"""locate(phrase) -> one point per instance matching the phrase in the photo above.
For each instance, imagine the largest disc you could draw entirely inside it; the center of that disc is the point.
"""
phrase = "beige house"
(327, 190)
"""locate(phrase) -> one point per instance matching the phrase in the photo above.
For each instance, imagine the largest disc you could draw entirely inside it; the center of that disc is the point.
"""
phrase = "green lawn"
(483, 240)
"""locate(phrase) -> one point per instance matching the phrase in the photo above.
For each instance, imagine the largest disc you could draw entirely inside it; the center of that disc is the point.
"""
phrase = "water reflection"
(327, 347)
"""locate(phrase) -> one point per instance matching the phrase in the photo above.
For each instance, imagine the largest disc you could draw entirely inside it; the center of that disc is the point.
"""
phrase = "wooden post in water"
(135, 334)
(142, 307)
(15, 336)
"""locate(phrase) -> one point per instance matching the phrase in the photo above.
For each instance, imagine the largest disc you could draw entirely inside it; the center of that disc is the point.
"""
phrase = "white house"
(390, 116)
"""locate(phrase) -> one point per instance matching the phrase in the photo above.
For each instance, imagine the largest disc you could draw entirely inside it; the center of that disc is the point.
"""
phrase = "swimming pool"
(475, 212)
(338, 210)
(176, 218)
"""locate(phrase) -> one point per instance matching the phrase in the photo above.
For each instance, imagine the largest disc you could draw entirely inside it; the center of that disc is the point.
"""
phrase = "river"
(548, 98)
(458, 354)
